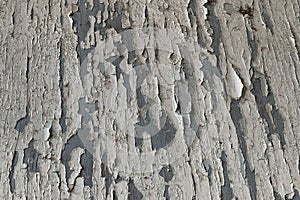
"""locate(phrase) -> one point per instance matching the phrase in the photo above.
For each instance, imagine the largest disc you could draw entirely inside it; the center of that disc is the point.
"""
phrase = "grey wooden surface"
(152, 99)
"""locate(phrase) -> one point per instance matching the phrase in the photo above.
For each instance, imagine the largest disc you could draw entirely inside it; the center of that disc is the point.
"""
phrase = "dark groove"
(14, 23)
(226, 190)
(164, 136)
(216, 36)
(107, 175)
(216, 27)
(133, 192)
(115, 197)
(12, 181)
(27, 69)
(253, 46)
(275, 193)
(166, 192)
(296, 195)
(167, 173)
(86, 160)
(146, 23)
(62, 120)
(14, 18)
(193, 179)
(82, 24)
(31, 14)
(59, 178)
(23, 122)
(31, 156)
(191, 14)
(116, 62)
(49, 7)
(266, 18)
(236, 116)
(138, 142)
(208, 169)
(261, 102)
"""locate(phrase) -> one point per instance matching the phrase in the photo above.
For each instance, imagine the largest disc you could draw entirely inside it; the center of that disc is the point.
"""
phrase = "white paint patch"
(235, 84)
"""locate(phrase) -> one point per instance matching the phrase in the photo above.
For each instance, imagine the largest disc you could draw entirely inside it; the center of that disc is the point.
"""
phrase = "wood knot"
(246, 11)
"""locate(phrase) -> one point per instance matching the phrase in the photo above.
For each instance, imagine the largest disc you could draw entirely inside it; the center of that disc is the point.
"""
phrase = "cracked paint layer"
(109, 99)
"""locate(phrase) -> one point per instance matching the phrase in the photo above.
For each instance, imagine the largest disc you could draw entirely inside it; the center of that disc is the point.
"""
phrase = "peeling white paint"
(235, 84)
(149, 99)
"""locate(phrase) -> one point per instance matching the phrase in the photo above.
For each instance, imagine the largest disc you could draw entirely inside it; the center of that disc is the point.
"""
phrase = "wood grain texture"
(154, 99)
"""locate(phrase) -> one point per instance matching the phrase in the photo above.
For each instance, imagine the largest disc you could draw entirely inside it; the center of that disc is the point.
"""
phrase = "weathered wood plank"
(108, 99)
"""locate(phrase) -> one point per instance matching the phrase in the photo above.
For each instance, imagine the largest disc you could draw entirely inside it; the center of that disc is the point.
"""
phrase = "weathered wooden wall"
(153, 99)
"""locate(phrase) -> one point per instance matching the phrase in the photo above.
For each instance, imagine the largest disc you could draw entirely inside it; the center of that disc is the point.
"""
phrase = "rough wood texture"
(182, 99)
